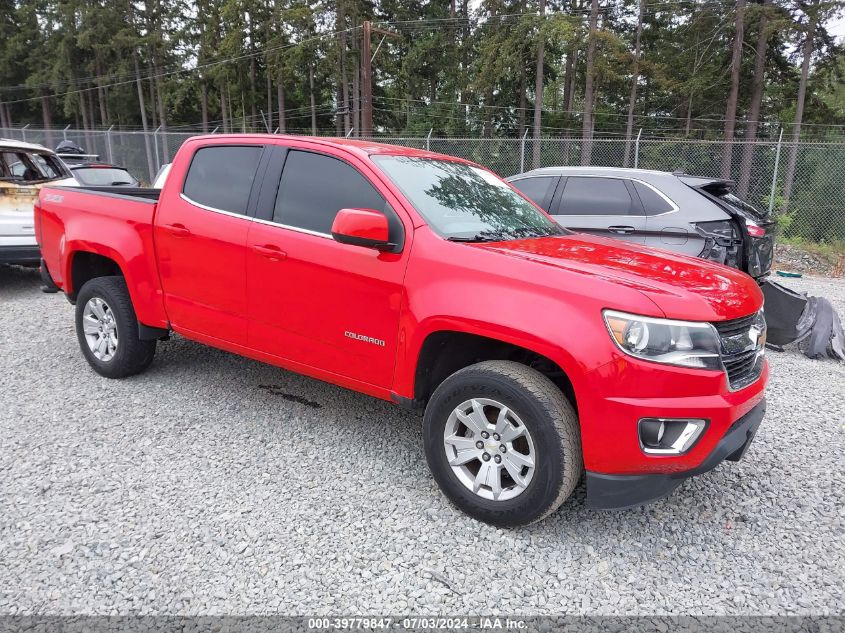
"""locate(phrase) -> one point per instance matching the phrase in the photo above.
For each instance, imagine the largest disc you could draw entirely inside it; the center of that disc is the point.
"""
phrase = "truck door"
(602, 206)
(200, 236)
(312, 300)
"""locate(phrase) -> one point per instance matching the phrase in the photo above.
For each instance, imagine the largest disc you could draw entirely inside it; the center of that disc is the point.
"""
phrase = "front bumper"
(20, 254)
(616, 492)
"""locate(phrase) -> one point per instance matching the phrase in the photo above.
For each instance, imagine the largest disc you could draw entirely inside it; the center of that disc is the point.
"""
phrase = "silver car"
(687, 214)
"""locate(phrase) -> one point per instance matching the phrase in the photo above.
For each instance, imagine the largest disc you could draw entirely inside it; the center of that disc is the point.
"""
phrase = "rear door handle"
(273, 253)
(621, 230)
(178, 230)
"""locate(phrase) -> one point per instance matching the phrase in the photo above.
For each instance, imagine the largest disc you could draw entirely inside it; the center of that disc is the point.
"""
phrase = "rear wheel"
(503, 443)
(107, 329)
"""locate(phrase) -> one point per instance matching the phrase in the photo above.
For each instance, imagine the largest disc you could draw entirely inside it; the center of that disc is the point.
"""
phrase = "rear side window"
(595, 196)
(537, 188)
(221, 177)
(29, 167)
(653, 202)
(315, 187)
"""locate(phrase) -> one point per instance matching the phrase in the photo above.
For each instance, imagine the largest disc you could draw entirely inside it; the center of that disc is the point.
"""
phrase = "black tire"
(546, 414)
(132, 355)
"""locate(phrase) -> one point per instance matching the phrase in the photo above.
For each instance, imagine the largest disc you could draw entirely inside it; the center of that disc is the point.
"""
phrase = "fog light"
(669, 436)
(651, 432)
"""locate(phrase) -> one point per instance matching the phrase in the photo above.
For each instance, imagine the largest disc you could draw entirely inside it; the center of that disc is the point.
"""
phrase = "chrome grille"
(742, 352)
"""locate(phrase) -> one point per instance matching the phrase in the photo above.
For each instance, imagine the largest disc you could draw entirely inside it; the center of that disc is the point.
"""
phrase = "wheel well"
(87, 266)
(444, 353)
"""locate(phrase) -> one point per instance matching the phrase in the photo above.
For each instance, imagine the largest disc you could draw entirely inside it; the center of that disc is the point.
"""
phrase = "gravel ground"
(213, 484)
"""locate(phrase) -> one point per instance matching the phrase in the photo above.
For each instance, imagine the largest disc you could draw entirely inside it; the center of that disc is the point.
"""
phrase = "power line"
(188, 70)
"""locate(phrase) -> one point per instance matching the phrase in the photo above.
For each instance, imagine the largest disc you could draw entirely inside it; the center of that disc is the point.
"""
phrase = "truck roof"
(361, 147)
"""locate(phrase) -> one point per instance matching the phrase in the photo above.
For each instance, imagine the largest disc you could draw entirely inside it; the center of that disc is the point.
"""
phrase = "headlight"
(683, 343)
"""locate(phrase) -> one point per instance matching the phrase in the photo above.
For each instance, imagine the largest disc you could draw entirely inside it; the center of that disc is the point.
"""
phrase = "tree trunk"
(356, 87)
(733, 95)
(83, 110)
(487, 126)
(313, 102)
(340, 118)
(204, 105)
(252, 82)
(807, 53)
(101, 97)
(269, 87)
(587, 124)
(143, 110)
(153, 107)
(688, 125)
(569, 80)
(230, 108)
(538, 91)
(632, 99)
(757, 86)
(224, 111)
(46, 117)
(3, 121)
(162, 115)
(280, 97)
(45, 112)
(523, 105)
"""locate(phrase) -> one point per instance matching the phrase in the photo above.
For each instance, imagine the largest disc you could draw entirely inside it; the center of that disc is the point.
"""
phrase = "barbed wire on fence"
(815, 210)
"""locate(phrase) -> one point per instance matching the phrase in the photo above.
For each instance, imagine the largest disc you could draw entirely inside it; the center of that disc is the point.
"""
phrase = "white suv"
(24, 168)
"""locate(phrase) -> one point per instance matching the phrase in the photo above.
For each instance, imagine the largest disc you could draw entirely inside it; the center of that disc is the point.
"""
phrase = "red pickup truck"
(536, 353)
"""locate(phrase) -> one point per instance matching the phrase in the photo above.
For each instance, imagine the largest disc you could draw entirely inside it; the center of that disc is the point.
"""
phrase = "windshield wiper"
(478, 237)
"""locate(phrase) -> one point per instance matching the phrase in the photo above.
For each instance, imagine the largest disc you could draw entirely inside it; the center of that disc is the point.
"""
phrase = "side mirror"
(362, 227)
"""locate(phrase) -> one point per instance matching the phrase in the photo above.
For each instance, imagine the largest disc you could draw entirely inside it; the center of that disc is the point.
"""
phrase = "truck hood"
(682, 287)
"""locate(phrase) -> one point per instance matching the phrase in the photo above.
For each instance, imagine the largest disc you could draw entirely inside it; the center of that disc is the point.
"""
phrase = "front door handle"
(621, 230)
(178, 230)
(273, 253)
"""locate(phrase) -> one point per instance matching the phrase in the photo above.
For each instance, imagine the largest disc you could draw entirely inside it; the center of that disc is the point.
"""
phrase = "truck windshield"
(465, 203)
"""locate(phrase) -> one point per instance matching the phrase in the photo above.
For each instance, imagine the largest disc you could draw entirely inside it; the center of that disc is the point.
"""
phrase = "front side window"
(221, 177)
(464, 202)
(315, 187)
(595, 196)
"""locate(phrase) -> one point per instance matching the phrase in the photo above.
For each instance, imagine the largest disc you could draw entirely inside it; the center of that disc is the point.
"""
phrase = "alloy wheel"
(489, 449)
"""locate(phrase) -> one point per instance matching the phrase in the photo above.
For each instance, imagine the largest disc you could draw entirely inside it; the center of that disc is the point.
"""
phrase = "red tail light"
(754, 230)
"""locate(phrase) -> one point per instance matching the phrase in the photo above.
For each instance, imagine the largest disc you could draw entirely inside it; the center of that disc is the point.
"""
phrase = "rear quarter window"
(221, 177)
(653, 202)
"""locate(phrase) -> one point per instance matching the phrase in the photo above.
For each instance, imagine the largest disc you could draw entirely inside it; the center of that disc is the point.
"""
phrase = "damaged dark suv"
(693, 215)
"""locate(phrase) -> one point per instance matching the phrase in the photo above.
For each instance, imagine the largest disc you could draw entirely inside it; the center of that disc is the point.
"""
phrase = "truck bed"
(115, 223)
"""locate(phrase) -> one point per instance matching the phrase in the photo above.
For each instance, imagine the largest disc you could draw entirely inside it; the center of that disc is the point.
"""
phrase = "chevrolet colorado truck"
(536, 353)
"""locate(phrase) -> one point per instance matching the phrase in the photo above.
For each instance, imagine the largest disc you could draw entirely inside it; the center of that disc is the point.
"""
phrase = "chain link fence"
(812, 207)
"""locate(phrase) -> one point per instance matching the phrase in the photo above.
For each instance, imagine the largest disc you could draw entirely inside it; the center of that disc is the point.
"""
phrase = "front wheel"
(107, 329)
(503, 443)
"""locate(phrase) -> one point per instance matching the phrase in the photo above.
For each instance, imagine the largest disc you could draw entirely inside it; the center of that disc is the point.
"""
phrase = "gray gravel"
(213, 484)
